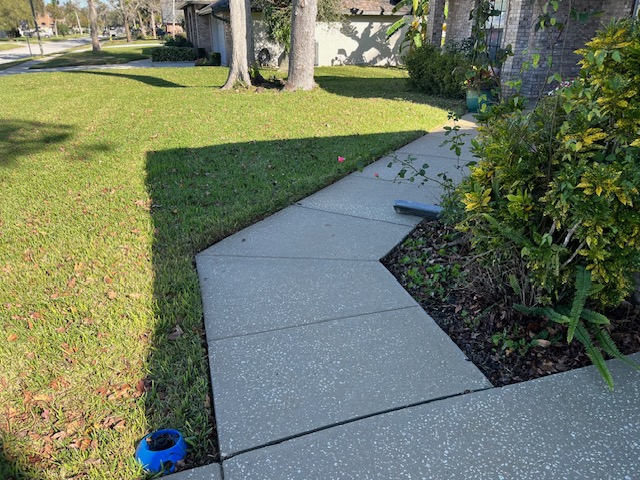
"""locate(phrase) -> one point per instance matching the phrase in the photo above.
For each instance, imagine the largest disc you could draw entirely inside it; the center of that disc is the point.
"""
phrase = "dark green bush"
(173, 54)
(177, 41)
(437, 73)
(211, 60)
(201, 53)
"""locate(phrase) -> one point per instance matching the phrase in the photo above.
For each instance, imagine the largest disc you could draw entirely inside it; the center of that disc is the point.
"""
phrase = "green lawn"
(106, 197)
(9, 46)
(106, 56)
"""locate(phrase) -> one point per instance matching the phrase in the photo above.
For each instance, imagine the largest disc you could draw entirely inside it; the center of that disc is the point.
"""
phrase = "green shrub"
(63, 29)
(177, 41)
(556, 188)
(437, 73)
(555, 194)
(173, 54)
(211, 60)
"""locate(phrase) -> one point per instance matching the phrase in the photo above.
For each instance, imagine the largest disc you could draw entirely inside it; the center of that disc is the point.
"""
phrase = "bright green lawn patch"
(106, 198)
(9, 46)
(106, 56)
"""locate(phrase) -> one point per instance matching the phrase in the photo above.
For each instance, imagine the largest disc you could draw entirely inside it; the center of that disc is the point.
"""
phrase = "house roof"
(202, 3)
(348, 7)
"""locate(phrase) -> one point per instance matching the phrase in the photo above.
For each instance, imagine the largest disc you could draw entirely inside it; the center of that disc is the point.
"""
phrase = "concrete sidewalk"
(147, 63)
(322, 366)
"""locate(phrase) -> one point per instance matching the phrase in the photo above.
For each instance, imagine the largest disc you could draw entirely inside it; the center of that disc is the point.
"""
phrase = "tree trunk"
(153, 24)
(302, 55)
(251, 50)
(125, 20)
(93, 22)
(143, 28)
(238, 68)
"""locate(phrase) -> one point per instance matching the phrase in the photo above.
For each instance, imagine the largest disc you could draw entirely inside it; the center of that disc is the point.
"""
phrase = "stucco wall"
(359, 40)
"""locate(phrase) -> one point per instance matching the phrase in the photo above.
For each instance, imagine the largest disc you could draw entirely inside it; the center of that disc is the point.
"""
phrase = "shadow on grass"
(199, 196)
(19, 138)
(146, 79)
(388, 88)
(9, 470)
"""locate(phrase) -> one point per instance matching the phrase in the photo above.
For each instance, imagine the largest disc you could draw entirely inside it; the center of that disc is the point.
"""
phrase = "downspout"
(636, 8)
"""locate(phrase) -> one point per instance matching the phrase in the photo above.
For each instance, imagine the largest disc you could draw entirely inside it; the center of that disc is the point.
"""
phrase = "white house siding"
(360, 40)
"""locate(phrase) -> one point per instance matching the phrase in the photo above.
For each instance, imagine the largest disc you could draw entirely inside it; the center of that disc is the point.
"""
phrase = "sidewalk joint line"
(297, 204)
(352, 420)
(315, 322)
(272, 257)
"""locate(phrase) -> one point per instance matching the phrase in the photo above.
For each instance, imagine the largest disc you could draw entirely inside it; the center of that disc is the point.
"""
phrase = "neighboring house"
(360, 39)
(516, 26)
(169, 29)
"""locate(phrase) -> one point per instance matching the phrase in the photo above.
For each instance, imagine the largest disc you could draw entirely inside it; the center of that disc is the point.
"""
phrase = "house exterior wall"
(198, 27)
(435, 21)
(359, 40)
(521, 34)
(458, 23)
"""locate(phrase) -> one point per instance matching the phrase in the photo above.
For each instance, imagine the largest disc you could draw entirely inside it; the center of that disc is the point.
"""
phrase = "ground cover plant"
(106, 56)
(105, 200)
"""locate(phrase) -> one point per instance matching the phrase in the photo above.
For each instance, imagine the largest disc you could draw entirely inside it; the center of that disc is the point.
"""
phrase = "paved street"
(22, 52)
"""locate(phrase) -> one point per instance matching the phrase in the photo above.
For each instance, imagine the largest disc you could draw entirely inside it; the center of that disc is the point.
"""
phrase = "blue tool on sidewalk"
(432, 212)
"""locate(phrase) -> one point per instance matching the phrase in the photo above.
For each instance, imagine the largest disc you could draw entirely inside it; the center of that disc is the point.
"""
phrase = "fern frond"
(548, 312)
(594, 354)
(594, 317)
(583, 285)
(608, 345)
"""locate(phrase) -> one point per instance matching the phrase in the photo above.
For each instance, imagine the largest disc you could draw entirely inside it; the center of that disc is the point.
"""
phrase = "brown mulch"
(525, 347)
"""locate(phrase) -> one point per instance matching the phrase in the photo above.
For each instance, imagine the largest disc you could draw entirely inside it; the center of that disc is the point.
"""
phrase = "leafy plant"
(416, 33)
(555, 190)
(587, 326)
(431, 278)
(177, 41)
(435, 72)
(173, 54)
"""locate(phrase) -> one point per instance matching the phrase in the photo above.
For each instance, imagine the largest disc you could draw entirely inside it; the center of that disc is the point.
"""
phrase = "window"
(495, 27)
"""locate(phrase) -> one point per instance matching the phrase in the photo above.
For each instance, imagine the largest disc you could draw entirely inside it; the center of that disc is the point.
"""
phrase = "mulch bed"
(473, 321)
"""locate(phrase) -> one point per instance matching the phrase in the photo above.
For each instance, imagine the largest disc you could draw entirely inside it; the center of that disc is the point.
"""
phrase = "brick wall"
(435, 19)
(458, 24)
(520, 33)
(203, 32)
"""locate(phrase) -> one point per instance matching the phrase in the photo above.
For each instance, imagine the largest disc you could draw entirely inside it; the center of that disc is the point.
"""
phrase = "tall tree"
(12, 11)
(239, 66)
(125, 9)
(93, 23)
(55, 10)
(302, 56)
